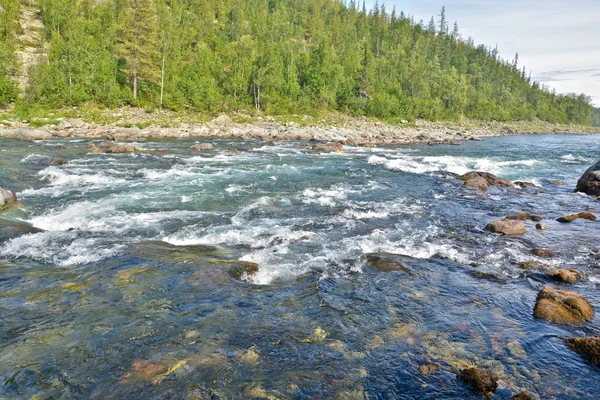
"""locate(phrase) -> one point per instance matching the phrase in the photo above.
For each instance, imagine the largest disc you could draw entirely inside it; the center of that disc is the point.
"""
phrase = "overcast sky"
(558, 39)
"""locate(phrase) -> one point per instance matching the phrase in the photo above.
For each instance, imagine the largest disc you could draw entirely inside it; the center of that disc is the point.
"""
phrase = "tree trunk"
(162, 80)
(135, 78)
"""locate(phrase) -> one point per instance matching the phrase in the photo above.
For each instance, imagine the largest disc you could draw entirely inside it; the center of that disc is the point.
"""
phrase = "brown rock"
(328, 148)
(490, 179)
(477, 183)
(544, 253)
(524, 217)
(541, 227)
(557, 182)
(387, 262)
(573, 217)
(58, 161)
(507, 227)
(429, 369)
(522, 396)
(566, 275)
(525, 185)
(589, 348)
(562, 307)
(115, 148)
(484, 382)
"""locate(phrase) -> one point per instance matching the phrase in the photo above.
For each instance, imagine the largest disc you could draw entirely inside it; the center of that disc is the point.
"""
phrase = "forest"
(269, 56)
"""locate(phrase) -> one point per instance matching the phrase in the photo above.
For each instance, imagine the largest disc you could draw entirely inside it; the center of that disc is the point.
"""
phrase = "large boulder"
(7, 198)
(589, 348)
(567, 275)
(589, 183)
(116, 148)
(481, 180)
(562, 307)
(221, 121)
(12, 229)
(507, 227)
(202, 147)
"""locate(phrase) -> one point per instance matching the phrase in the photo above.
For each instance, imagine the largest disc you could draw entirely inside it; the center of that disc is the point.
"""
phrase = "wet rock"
(7, 198)
(525, 185)
(507, 227)
(589, 183)
(116, 148)
(562, 307)
(589, 348)
(484, 382)
(58, 161)
(387, 262)
(476, 178)
(244, 269)
(524, 217)
(573, 217)
(476, 183)
(557, 182)
(523, 396)
(544, 253)
(200, 394)
(541, 227)
(13, 229)
(325, 148)
(202, 147)
(566, 275)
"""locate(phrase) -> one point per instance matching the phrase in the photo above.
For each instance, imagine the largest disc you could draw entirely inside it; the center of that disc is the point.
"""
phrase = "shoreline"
(337, 128)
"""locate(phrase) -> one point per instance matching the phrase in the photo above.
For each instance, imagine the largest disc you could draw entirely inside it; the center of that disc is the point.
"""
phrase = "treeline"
(277, 56)
(596, 117)
(9, 12)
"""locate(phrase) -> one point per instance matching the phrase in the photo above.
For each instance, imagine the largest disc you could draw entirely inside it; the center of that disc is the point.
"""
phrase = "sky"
(558, 40)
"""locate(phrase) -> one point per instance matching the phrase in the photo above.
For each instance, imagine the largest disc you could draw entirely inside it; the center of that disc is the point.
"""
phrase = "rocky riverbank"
(342, 129)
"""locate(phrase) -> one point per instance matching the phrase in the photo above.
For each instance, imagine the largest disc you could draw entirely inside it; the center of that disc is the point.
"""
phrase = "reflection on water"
(142, 283)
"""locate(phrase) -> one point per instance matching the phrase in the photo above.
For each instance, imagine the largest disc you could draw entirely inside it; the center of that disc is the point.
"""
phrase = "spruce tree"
(139, 42)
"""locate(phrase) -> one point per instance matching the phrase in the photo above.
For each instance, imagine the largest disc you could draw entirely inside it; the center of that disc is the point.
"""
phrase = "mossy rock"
(588, 348)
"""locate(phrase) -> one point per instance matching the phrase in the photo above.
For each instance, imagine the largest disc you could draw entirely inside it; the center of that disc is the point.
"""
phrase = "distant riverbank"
(135, 124)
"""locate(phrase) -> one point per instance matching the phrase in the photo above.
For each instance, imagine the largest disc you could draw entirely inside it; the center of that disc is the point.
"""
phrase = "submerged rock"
(387, 262)
(544, 253)
(116, 148)
(484, 382)
(562, 307)
(481, 180)
(13, 229)
(589, 348)
(58, 161)
(525, 216)
(523, 396)
(573, 217)
(325, 148)
(589, 183)
(566, 275)
(7, 198)
(507, 227)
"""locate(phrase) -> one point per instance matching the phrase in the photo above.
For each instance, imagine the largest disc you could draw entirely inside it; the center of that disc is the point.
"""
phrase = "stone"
(328, 148)
(116, 148)
(387, 262)
(562, 307)
(222, 121)
(541, 227)
(507, 227)
(476, 183)
(484, 382)
(76, 123)
(7, 198)
(202, 147)
(523, 396)
(13, 229)
(589, 348)
(524, 217)
(566, 275)
(573, 217)
(544, 253)
(26, 134)
(481, 180)
(557, 182)
(589, 183)
(58, 161)
(525, 185)
(429, 369)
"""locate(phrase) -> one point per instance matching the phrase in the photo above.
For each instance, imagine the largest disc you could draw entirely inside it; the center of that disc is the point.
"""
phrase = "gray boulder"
(589, 183)
(507, 227)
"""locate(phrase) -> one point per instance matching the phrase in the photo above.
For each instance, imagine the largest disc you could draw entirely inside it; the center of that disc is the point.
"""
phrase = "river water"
(136, 287)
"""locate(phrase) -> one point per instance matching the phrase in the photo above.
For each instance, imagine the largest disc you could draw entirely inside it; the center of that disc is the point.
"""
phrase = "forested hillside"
(277, 56)
(596, 117)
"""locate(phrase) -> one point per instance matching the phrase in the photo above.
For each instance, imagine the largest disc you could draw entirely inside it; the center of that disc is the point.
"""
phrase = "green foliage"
(281, 57)
(8, 30)
(596, 117)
